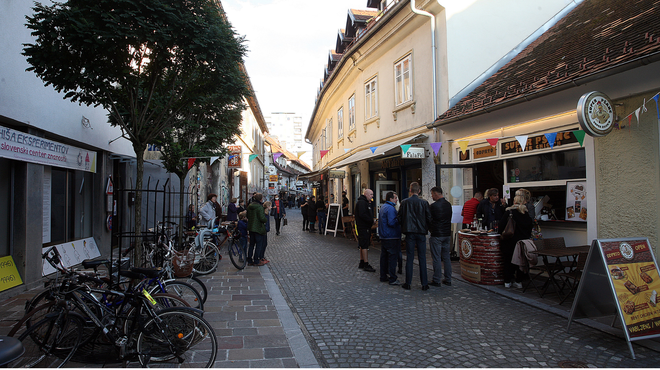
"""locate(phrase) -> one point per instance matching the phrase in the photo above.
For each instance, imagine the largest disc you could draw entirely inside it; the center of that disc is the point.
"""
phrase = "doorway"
(382, 188)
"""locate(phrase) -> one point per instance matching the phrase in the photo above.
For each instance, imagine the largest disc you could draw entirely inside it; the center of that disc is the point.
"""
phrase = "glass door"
(382, 188)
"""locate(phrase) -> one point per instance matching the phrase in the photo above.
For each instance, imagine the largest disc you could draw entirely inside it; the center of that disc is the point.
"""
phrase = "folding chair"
(575, 275)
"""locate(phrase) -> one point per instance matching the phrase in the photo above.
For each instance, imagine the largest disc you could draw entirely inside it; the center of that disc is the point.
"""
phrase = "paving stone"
(278, 352)
(245, 354)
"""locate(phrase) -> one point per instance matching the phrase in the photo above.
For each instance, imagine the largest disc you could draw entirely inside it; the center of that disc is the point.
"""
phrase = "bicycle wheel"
(51, 342)
(177, 338)
(207, 259)
(196, 283)
(182, 290)
(237, 255)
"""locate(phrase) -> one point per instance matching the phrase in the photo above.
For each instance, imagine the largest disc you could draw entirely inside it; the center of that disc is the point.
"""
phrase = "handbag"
(509, 229)
(284, 222)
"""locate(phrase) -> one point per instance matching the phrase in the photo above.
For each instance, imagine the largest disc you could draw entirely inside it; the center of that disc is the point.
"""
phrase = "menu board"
(634, 275)
(332, 221)
(576, 201)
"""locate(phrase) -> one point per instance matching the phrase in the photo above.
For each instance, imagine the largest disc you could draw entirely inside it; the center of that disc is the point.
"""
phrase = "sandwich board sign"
(621, 278)
(332, 221)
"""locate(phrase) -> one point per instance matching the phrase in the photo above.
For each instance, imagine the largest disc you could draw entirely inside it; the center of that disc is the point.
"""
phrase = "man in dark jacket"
(257, 228)
(490, 209)
(415, 218)
(278, 211)
(390, 238)
(440, 237)
(364, 220)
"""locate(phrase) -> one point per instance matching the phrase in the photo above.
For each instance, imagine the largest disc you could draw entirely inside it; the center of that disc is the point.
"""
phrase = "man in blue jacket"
(390, 238)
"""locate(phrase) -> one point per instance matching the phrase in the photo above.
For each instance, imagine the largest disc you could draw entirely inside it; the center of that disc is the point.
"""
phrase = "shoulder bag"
(509, 229)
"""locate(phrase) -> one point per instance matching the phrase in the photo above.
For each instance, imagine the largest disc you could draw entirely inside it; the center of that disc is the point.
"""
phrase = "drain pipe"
(433, 54)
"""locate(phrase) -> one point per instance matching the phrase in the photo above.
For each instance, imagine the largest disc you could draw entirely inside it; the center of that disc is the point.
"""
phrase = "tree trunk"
(181, 210)
(139, 250)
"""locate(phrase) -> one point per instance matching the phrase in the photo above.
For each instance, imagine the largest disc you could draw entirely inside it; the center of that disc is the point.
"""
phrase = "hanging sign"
(413, 153)
(484, 152)
(336, 174)
(621, 278)
(272, 178)
(234, 160)
(595, 113)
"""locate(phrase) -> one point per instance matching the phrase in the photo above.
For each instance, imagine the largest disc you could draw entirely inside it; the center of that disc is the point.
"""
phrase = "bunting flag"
(657, 108)
(213, 159)
(492, 142)
(323, 153)
(346, 150)
(436, 147)
(373, 149)
(191, 161)
(463, 144)
(405, 148)
(637, 115)
(579, 135)
(276, 155)
(551, 137)
(522, 140)
(252, 157)
(300, 154)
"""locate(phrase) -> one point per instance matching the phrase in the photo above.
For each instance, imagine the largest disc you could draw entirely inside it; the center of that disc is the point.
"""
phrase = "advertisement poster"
(576, 201)
(634, 276)
(72, 253)
(234, 160)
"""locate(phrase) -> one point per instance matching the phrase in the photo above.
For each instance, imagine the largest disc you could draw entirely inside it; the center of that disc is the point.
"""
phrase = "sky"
(288, 43)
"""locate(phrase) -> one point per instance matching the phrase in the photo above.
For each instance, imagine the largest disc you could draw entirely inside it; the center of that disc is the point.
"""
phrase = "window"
(351, 113)
(340, 123)
(402, 81)
(328, 134)
(71, 205)
(564, 165)
(370, 99)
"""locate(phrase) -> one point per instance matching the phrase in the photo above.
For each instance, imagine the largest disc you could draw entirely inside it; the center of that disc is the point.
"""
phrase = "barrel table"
(481, 259)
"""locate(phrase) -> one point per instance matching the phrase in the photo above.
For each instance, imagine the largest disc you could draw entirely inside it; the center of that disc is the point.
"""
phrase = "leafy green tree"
(145, 62)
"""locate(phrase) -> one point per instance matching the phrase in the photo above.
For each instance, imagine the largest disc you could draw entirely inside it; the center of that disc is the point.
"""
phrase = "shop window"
(413, 175)
(5, 206)
(71, 205)
(561, 165)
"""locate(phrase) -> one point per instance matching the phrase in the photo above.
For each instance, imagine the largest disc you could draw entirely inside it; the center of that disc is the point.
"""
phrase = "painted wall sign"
(576, 201)
(537, 142)
(235, 154)
(336, 174)
(595, 113)
(272, 178)
(413, 153)
(29, 148)
(484, 152)
(9, 276)
(392, 162)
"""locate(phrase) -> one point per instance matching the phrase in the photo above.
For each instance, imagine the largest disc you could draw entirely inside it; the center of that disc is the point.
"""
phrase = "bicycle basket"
(182, 263)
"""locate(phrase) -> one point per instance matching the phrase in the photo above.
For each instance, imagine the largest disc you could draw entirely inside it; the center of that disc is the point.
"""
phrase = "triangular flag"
(463, 144)
(551, 137)
(232, 156)
(346, 150)
(191, 161)
(657, 108)
(637, 114)
(300, 154)
(492, 142)
(436, 147)
(213, 159)
(522, 140)
(276, 155)
(579, 135)
(252, 157)
(323, 153)
(405, 148)
(373, 149)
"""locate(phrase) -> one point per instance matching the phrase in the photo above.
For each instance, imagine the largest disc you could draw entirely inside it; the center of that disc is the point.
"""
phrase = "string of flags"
(642, 109)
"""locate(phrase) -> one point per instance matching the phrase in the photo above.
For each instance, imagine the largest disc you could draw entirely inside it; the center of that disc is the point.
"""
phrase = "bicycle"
(237, 254)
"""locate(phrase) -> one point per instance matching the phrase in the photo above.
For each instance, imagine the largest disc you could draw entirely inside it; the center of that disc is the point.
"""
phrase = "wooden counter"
(481, 260)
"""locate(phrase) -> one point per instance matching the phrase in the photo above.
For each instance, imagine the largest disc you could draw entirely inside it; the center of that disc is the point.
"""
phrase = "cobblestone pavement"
(352, 319)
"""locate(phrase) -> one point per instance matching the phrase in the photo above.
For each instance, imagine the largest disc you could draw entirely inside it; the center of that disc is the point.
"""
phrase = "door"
(382, 188)
(458, 183)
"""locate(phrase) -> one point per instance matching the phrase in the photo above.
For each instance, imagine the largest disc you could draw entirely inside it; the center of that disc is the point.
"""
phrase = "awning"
(312, 174)
(381, 150)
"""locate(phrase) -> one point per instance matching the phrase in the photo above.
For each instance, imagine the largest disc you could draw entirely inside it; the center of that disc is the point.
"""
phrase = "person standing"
(303, 210)
(321, 214)
(440, 240)
(390, 238)
(207, 213)
(490, 209)
(518, 212)
(232, 210)
(415, 218)
(311, 213)
(470, 208)
(241, 206)
(191, 218)
(278, 212)
(261, 258)
(364, 220)
(242, 228)
(257, 228)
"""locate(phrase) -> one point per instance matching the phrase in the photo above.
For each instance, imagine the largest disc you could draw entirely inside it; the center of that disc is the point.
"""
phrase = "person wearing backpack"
(523, 230)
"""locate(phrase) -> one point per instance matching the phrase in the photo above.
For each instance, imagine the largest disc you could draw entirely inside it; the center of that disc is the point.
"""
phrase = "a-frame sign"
(621, 278)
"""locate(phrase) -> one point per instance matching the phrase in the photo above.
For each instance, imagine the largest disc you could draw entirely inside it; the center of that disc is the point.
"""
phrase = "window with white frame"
(402, 80)
(371, 98)
(351, 113)
(328, 134)
(340, 123)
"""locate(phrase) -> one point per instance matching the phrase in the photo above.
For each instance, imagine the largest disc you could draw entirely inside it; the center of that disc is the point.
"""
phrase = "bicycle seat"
(150, 272)
(10, 349)
(131, 274)
(94, 263)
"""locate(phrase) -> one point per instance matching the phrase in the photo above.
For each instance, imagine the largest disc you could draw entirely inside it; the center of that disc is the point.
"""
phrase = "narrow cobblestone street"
(354, 320)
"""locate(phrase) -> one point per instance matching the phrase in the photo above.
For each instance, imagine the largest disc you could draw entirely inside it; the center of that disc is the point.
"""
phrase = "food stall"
(480, 257)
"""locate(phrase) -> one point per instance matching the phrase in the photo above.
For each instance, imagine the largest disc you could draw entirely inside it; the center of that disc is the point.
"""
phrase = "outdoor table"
(570, 254)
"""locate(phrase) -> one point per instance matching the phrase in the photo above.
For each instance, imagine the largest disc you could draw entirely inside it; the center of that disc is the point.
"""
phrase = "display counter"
(481, 260)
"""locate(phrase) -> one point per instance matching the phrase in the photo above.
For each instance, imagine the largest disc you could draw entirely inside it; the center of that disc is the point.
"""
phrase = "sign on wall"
(9, 276)
(576, 201)
(72, 253)
(29, 148)
(234, 156)
(413, 153)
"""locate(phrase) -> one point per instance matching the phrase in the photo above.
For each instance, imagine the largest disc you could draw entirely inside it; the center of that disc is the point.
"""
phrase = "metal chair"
(572, 278)
(542, 271)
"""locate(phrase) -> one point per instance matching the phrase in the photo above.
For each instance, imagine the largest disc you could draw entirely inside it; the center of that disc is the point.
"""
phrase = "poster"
(634, 275)
(576, 201)
(72, 253)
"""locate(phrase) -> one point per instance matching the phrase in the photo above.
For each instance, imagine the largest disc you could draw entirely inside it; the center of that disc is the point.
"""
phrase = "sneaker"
(367, 267)
(260, 263)
(406, 286)
(425, 287)
(361, 266)
(433, 283)
(507, 285)
(517, 285)
(447, 283)
(397, 282)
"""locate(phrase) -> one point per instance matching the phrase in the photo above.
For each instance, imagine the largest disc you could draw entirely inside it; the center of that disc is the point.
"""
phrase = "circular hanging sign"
(456, 191)
(272, 170)
(595, 113)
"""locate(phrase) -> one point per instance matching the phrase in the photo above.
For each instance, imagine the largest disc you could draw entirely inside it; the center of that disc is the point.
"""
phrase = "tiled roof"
(597, 35)
(363, 15)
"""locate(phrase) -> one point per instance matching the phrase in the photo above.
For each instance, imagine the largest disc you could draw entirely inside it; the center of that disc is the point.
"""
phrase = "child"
(242, 227)
(262, 260)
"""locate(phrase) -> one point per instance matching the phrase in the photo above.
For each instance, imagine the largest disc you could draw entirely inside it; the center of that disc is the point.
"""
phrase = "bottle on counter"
(473, 226)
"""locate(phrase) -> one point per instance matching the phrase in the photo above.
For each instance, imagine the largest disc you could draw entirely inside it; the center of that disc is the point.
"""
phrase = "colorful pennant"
(551, 137)
(373, 149)
(252, 157)
(346, 150)
(405, 148)
(191, 161)
(492, 142)
(323, 153)
(579, 135)
(522, 140)
(463, 144)
(277, 155)
(300, 154)
(436, 147)
(213, 159)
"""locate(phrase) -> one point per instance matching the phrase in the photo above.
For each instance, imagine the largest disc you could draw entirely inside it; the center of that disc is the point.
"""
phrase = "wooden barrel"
(481, 259)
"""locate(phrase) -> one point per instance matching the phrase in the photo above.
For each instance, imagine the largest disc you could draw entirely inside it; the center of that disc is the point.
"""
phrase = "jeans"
(243, 243)
(256, 240)
(416, 241)
(389, 254)
(321, 217)
(440, 250)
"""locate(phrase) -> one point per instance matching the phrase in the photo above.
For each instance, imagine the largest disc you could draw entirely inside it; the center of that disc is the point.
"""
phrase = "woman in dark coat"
(232, 211)
(311, 213)
(303, 210)
(512, 274)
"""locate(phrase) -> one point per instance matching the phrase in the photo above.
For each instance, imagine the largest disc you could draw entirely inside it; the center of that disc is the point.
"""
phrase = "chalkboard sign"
(334, 215)
(629, 269)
